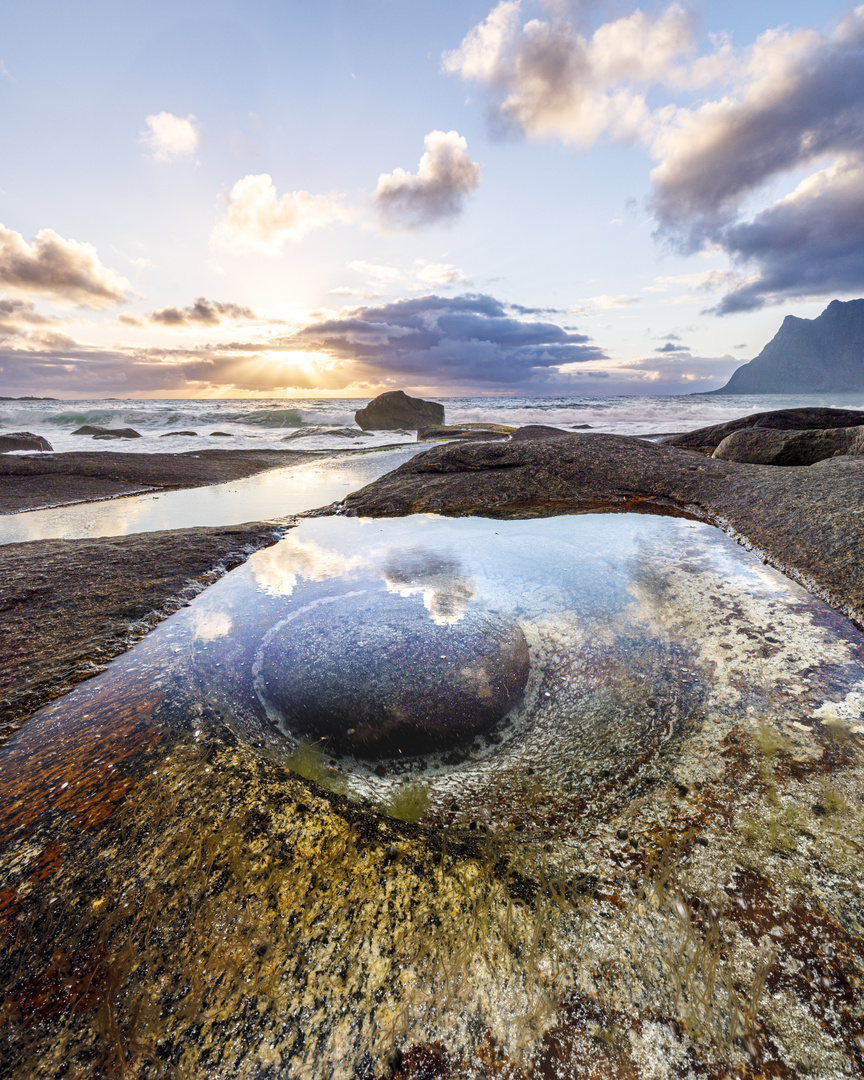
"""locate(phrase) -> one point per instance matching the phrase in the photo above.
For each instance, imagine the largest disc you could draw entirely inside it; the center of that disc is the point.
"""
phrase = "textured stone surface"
(708, 438)
(68, 606)
(395, 410)
(374, 676)
(23, 440)
(808, 355)
(807, 522)
(767, 446)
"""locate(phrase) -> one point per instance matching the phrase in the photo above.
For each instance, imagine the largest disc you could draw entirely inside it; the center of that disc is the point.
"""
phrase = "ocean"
(288, 422)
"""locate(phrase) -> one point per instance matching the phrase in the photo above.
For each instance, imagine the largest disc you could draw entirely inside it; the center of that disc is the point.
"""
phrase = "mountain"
(808, 355)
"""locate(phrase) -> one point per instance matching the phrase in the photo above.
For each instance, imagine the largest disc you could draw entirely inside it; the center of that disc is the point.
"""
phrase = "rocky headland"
(806, 356)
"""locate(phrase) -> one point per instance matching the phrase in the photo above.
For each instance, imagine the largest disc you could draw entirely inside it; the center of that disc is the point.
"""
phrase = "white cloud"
(258, 220)
(438, 274)
(65, 271)
(170, 136)
(438, 189)
(593, 305)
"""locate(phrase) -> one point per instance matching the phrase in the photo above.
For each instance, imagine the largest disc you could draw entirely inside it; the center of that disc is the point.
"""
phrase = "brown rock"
(708, 438)
(395, 410)
(767, 446)
(23, 440)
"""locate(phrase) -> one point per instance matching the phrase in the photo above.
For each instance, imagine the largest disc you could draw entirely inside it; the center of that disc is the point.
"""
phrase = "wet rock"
(323, 429)
(165, 434)
(221, 435)
(708, 438)
(395, 409)
(767, 446)
(475, 432)
(374, 676)
(23, 440)
(107, 433)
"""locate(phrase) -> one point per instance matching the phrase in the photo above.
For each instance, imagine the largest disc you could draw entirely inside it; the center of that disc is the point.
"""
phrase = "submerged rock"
(165, 434)
(23, 440)
(395, 410)
(323, 429)
(107, 433)
(765, 446)
(374, 676)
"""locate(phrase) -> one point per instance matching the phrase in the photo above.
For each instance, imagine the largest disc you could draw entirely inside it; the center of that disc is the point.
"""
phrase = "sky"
(268, 199)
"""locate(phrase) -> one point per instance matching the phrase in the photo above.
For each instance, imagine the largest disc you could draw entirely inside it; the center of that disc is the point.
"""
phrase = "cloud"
(65, 271)
(791, 101)
(671, 347)
(202, 312)
(257, 220)
(547, 79)
(468, 340)
(170, 136)
(436, 192)
(17, 316)
(438, 273)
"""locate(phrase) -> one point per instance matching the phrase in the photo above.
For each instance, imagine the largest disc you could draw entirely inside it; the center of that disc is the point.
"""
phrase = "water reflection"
(275, 493)
(172, 872)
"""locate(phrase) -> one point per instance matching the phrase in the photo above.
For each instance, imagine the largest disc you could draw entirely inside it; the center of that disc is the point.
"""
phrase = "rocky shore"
(176, 901)
(806, 521)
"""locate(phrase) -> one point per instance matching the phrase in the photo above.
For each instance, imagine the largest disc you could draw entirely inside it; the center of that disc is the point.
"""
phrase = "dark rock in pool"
(395, 410)
(23, 440)
(107, 433)
(375, 677)
(765, 446)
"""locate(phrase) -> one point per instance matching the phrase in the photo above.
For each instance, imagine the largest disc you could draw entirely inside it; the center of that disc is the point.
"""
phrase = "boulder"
(107, 433)
(708, 438)
(395, 409)
(221, 435)
(165, 434)
(23, 440)
(767, 446)
(372, 675)
(474, 432)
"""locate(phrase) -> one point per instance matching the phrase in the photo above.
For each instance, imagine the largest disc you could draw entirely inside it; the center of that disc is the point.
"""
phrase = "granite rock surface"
(768, 446)
(708, 438)
(396, 411)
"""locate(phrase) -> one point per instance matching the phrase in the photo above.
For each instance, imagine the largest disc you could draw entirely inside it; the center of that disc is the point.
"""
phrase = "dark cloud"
(464, 340)
(436, 192)
(803, 102)
(671, 347)
(65, 271)
(202, 312)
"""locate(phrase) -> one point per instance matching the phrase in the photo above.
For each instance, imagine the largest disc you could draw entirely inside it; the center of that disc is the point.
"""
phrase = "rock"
(395, 409)
(107, 433)
(808, 355)
(440, 432)
(23, 440)
(807, 521)
(322, 429)
(766, 446)
(374, 676)
(221, 435)
(708, 438)
(165, 434)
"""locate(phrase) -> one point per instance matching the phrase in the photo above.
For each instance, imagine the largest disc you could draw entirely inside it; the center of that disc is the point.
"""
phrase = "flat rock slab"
(30, 483)
(806, 521)
(67, 607)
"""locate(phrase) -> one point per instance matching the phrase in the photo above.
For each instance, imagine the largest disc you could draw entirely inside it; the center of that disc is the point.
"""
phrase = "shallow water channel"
(603, 665)
(275, 493)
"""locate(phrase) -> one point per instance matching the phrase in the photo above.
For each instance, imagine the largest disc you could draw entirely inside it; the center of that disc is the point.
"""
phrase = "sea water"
(260, 423)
